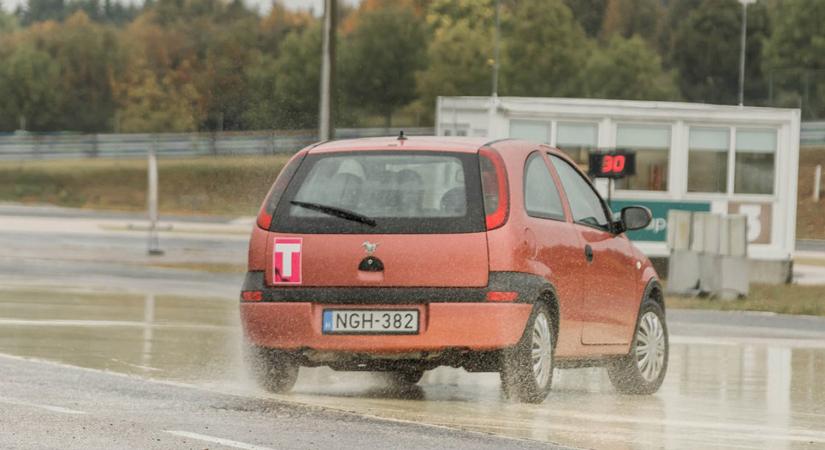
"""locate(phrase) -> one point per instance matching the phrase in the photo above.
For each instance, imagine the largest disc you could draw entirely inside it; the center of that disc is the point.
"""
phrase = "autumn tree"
(29, 90)
(462, 37)
(544, 51)
(628, 69)
(379, 59)
(632, 17)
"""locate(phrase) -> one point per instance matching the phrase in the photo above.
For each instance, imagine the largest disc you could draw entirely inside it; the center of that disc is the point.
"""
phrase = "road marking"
(58, 409)
(108, 323)
(744, 340)
(216, 440)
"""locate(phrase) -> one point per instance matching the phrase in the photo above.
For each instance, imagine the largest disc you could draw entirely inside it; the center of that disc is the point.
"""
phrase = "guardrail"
(72, 146)
(812, 134)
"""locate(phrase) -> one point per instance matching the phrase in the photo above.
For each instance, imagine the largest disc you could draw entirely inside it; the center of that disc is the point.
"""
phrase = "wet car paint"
(723, 391)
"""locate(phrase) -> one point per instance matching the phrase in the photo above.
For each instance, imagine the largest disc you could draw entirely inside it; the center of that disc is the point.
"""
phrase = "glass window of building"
(754, 168)
(708, 159)
(577, 140)
(652, 146)
(530, 130)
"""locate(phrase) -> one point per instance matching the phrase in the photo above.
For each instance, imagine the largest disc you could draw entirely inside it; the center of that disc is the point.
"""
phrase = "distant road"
(810, 245)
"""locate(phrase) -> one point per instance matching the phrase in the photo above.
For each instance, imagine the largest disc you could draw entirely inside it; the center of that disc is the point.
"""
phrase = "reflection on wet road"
(722, 390)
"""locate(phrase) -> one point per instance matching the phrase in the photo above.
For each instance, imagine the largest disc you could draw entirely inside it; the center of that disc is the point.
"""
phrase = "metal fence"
(64, 145)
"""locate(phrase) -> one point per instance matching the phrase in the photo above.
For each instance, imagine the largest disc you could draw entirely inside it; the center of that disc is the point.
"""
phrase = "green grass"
(810, 216)
(782, 299)
(196, 185)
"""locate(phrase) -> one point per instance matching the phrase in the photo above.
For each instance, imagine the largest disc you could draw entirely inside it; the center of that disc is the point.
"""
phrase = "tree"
(462, 37)
(29, 90)
(632, 17)
(286, 89)
(378, 60)
(544, 50)
(706, 48)
(152, 105)
(793, 55)
(589, 14)
(630, 70)
(87, 56)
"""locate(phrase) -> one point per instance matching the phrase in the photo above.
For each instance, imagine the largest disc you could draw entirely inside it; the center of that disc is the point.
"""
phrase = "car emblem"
(369, 247)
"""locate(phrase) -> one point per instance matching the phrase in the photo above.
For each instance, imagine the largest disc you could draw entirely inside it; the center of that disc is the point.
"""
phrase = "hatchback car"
(399, 255)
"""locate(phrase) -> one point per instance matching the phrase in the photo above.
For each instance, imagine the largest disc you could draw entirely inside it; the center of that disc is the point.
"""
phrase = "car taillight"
(274, 196)
(497, 296)
(252, 296)
(494, 188)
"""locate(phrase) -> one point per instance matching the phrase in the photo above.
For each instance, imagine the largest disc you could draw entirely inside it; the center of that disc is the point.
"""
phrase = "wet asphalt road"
(735, 381)
(129, 356)
(48, 406)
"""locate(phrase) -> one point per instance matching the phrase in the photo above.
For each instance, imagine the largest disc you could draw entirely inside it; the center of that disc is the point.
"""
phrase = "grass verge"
(781, 299)
(231, 185)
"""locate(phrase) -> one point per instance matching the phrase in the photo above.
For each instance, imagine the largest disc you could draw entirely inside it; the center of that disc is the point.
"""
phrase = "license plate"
(370, 321)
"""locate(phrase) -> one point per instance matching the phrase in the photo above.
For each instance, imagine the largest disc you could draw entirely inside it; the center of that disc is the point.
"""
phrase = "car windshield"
(402, 192)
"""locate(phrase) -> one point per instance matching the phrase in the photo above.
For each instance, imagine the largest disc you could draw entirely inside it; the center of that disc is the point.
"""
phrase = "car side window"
(585, 204)
(541, 196)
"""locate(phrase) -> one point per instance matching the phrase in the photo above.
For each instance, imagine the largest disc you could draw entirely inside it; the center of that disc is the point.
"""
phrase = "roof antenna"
(401, 136)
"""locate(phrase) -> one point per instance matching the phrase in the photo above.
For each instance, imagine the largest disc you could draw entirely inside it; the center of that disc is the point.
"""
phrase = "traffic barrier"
(26, 146)
(708, 254)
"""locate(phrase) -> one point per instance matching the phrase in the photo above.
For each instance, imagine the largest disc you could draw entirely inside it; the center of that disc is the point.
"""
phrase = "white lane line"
(107, 323)
(216, 440)
(58, 409)
(732, 341)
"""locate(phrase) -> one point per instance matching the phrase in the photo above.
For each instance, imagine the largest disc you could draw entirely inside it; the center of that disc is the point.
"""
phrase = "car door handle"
(588, 253)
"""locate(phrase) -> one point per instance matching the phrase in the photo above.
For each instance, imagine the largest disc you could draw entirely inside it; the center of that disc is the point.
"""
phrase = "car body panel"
(472, 326)
(424, 260)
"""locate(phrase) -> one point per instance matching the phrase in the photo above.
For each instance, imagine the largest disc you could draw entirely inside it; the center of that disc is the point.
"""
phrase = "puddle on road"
(715, 396)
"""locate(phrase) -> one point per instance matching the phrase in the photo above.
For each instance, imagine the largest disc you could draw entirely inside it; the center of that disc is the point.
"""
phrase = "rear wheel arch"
(550, 299)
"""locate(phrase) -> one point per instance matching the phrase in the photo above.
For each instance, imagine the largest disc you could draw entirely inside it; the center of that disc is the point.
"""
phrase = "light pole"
(745, 4)
(325, 116)
(491, 112)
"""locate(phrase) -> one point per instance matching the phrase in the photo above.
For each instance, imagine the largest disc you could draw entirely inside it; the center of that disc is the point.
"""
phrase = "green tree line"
(186, 65)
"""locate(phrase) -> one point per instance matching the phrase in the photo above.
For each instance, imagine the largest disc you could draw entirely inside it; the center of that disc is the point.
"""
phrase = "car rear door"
(608, 272)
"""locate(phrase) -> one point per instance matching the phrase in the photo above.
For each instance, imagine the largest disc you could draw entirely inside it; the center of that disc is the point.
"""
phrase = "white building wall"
(483, 116)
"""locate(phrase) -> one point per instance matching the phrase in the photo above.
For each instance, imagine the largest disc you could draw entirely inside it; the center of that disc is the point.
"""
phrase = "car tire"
(642, 371)
(275, 371)
(527, 367)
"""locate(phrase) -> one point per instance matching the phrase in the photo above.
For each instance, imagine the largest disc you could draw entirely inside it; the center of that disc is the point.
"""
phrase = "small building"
(695, 157)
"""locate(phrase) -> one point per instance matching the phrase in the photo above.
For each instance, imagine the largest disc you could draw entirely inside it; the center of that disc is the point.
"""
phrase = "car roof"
(436, 143)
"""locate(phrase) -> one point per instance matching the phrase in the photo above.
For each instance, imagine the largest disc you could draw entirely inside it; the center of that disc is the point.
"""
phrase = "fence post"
(817, 182)
(152, 198)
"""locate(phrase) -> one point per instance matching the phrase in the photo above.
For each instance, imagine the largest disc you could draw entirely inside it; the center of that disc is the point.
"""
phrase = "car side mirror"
(635, 217)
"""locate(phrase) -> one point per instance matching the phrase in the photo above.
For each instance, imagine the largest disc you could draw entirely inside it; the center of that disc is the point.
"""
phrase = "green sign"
(657, 230)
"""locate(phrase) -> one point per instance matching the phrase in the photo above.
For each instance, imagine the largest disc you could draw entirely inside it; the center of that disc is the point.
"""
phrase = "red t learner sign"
(612, 164)
(287, 260)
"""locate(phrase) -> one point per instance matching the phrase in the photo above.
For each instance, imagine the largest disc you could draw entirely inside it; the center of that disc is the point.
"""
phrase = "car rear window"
(408, 192)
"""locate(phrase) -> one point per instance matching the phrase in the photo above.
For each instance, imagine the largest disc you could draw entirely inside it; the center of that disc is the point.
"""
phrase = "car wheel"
(643, 369)
(275, 371)
(527, 368)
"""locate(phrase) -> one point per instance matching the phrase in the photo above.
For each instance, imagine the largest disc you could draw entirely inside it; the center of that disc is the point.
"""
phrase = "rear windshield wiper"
(337, 212)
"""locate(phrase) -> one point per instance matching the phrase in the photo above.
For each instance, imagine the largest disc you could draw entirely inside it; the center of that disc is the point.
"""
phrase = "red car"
(403, 254)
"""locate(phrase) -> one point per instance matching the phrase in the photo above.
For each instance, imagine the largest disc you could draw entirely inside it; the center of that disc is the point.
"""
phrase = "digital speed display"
(613, 164)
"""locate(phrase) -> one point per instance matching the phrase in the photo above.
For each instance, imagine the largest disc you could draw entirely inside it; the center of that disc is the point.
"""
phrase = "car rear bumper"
(293, 326)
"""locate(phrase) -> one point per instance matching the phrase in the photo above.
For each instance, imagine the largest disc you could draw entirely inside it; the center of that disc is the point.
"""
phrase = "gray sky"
(262, 5)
